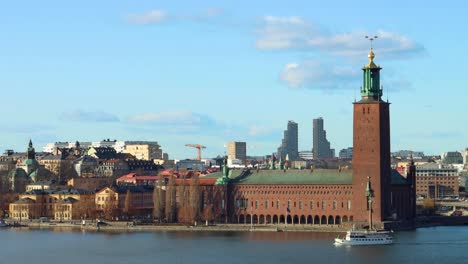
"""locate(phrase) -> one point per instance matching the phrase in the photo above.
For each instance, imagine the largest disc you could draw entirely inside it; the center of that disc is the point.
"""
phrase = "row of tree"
(188, 208)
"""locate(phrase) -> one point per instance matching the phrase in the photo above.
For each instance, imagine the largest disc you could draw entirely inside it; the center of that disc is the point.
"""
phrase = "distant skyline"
(210, 72)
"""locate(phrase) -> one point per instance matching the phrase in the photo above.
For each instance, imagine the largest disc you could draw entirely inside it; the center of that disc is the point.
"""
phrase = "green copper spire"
(225, 178)
(369, 191)
(371, 80)
(281, 164)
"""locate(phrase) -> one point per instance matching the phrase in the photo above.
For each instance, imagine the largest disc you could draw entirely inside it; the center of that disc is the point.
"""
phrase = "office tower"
(289, 145)
(321, 146)
(237, 150)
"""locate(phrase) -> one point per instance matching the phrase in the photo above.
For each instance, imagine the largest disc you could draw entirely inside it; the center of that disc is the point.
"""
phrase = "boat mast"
(369, 195)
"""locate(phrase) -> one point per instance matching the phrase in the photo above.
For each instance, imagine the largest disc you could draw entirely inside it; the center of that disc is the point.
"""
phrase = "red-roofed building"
(137, 180)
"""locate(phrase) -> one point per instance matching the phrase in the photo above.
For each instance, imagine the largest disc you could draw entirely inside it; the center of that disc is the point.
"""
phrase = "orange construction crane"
(197, 146)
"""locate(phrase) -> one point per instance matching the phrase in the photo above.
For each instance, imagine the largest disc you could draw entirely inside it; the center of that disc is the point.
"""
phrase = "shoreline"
(122, 227)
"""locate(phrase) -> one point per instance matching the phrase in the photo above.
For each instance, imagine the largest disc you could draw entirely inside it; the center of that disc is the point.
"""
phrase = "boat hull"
(339, 241)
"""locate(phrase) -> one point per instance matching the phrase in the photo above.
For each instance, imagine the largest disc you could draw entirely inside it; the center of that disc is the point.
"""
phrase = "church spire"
(371, 91)
(31, 152)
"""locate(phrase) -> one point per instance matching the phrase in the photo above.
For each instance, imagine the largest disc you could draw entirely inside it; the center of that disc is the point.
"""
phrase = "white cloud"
(174, 122)
(315, 75)
(177, 117)
(158, 16)
(211, 12)
(260, 130)
(88, 116)
(151, 17)
(294, 33)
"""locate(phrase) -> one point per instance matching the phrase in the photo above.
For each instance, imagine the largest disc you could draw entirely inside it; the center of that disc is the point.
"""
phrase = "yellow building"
(50, 204)
(42, 185)
(89, 183)
(112, 202)
(144, 150)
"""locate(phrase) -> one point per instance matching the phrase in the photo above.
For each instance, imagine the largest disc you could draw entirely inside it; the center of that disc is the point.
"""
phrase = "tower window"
(368, 110)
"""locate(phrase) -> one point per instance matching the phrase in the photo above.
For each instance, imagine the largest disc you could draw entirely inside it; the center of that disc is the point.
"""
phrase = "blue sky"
(210, 72)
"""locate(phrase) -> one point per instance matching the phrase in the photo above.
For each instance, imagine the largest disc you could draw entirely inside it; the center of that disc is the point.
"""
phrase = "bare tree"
(183, 210)
(111, 207)
(128, 204)
(85, 208)
(195, 195)
(156, 203)
(162, 196)
(159, 199)
(208, 214)
(171, 200)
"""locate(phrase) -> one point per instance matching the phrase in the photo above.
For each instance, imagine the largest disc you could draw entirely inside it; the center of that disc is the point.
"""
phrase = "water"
(428, 245)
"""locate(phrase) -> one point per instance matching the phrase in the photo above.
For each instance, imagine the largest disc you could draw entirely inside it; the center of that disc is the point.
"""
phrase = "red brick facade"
(371, 158)
(330, 196)
(308, 204)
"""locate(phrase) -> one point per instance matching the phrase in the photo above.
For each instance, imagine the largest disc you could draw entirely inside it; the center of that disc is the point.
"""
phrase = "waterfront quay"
(122, 226)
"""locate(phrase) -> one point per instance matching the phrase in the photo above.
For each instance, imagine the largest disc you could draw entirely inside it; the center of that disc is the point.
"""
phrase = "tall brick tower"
(371, 148)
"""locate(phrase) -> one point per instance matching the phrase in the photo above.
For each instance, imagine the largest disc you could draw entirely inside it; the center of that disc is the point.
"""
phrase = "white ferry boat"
(365, 237)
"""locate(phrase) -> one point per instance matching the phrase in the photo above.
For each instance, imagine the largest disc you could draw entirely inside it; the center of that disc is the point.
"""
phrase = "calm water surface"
(429, 245)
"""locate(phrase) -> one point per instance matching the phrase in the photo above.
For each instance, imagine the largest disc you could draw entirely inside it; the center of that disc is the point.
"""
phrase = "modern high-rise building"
(290, 143)
(346, 153)
(237, 150)
(321, 146)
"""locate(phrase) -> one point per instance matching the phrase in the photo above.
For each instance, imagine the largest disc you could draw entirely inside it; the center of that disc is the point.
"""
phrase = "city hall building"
(327, 196)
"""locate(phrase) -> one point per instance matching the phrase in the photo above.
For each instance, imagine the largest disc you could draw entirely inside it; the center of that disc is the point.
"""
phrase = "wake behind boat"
(365, 237)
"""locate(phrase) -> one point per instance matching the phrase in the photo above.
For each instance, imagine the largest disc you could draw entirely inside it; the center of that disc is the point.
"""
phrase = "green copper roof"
(31, 162)
(219, 174)
(17, 173)
(317, 176)
(397, 178)
(371, 80)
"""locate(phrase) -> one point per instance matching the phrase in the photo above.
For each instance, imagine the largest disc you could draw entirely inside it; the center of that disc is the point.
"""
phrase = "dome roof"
(18, 173)
(31, 162)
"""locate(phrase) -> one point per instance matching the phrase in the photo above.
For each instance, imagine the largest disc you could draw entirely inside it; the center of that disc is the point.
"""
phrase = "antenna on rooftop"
(371, 39)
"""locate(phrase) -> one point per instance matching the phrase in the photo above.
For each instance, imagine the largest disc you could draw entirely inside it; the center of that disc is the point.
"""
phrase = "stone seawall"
(124, 227)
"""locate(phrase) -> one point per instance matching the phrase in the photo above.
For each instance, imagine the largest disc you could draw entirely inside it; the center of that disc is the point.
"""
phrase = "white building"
(209, 162)
(306, 155)
(465, 156)
(235, 163)
(189, 164)
(118, 145)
